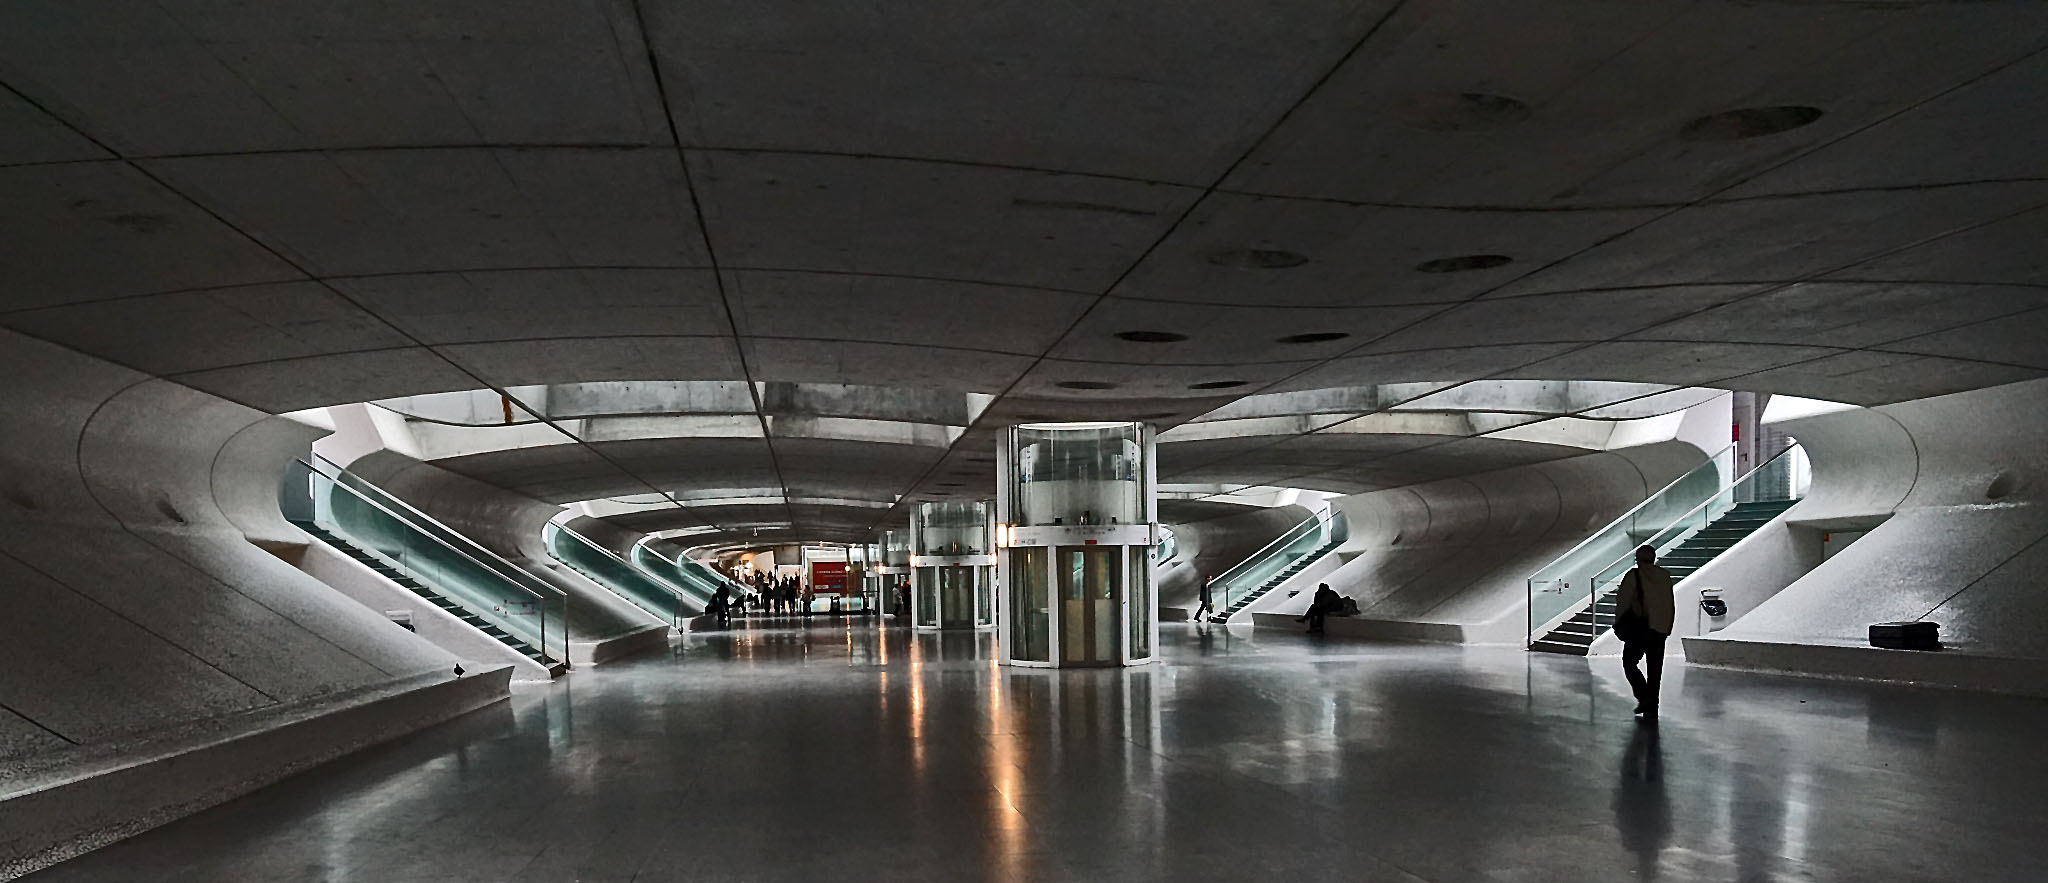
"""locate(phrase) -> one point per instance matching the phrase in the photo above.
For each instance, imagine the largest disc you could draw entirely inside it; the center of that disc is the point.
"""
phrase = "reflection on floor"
(837, 751)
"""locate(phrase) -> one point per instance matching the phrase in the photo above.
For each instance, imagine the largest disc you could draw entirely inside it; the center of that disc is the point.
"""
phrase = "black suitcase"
(1906, 635)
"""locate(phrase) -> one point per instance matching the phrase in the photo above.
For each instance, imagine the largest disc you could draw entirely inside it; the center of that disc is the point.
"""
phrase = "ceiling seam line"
(1794, 157)
(668, 115)
(1167, 233)
(287, 261)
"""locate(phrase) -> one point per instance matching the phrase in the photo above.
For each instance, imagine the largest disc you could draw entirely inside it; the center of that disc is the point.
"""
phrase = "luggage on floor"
(1906, 635)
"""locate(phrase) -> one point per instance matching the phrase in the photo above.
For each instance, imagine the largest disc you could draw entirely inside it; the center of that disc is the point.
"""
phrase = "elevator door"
(1089, 624)
(956, 597)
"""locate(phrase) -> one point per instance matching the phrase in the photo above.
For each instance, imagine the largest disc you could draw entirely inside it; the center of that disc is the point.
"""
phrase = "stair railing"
(622, 572)
(439, 562)
(1559, 589)
(1764, 484)
(1249, 575)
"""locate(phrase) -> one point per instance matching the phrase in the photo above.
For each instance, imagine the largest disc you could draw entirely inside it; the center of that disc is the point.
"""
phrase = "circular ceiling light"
(1314, 337)
(1464, 262)
(1163, 415)
(1462, 111)
(1748, 122)
(1151, 336)
(1084, 384)
(1218, 384)
(1256, 259)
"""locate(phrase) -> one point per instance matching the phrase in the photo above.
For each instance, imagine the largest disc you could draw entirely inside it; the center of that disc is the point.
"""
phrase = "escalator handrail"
(437, 540)
(1689, 513)
(672, 588)
(495, 563)
(1604, 529)
(1326, 519)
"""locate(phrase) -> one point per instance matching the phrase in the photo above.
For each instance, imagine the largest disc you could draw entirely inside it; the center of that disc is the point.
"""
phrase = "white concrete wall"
(1450, 560)
(1957, 488)
(137, 601)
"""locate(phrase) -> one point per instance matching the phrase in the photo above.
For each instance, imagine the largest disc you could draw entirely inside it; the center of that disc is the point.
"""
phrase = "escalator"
(1572, 601)
(1279, 561)
(671, 601)
(432, 561)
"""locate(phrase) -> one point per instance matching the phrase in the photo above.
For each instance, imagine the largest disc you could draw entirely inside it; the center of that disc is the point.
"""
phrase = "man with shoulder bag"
(1642, 620)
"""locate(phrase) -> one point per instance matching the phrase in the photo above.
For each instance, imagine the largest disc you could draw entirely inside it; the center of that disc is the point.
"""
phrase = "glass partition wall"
(1078, 527)
(952, 565)
(892, 570)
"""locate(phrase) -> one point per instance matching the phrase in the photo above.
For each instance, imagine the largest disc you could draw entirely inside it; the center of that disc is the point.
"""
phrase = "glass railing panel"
(1771, 482)
(1567, 584)
(474, 584)
(695, 591)
(1288, 549)
(645, 590)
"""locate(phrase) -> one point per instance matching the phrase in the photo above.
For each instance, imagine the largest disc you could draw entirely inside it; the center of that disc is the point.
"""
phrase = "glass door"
(927, 606)
(1030, 615)
(1089, 607)
(984, 596)
(956, 597)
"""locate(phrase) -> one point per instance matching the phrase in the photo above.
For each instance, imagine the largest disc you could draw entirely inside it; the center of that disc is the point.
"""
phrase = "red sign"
(828, 577)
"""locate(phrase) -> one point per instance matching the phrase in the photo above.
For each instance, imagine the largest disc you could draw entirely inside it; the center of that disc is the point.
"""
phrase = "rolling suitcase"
(1906, 635)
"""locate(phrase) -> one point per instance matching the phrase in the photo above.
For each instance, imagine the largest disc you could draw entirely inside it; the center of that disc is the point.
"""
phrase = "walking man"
(1208, 604)
(1642, 620)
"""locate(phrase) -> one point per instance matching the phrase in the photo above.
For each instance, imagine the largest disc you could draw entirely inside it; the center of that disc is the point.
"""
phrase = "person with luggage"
(1643, 613)
(1208, 604)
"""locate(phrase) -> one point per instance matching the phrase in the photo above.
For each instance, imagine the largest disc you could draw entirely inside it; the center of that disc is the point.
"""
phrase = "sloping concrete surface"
(1455, 556)
(1959, 484)
(139, 600)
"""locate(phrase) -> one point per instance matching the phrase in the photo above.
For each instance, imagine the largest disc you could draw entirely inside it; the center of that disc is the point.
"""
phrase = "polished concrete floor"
(836, 751)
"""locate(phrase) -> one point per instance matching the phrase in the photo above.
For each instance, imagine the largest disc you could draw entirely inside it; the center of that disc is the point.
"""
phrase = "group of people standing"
(779, 595)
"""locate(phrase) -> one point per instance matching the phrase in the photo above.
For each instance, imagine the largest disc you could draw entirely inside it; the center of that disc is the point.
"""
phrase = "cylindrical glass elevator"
(1078, 527)
(953, 565)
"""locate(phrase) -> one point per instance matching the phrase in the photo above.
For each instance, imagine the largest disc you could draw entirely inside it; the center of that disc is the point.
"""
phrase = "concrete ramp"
(140, 606)
(1953, 492)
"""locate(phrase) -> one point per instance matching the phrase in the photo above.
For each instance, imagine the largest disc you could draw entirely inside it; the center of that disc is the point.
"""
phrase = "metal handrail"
(1595, 587)
(673, 589)
(496, 562)
(1602, 532)
(640, 545)
(1326, 520)
(1289, 536)
(543, 609)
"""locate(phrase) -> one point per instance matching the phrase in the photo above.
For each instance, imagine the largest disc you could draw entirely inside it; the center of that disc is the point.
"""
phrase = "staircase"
(1298, 566)
(434, 597)
(1574, 636)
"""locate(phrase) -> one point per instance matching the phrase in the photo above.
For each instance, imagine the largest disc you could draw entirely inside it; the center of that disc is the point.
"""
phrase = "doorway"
(1089, 620)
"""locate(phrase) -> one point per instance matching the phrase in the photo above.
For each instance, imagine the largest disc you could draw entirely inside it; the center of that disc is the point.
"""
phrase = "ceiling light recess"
(1218, 384)
(1464, 262)
(1151, 336)
(1748, 122)
(1084, 384)
(1314, 337)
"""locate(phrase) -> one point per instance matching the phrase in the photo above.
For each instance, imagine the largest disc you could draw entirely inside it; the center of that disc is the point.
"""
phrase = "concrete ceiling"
(292, 204)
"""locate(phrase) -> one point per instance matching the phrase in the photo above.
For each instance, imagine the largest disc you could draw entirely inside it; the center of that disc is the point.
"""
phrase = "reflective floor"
(835, 751)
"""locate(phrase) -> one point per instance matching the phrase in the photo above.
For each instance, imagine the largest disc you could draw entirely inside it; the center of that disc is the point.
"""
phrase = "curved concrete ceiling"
(291, 206)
